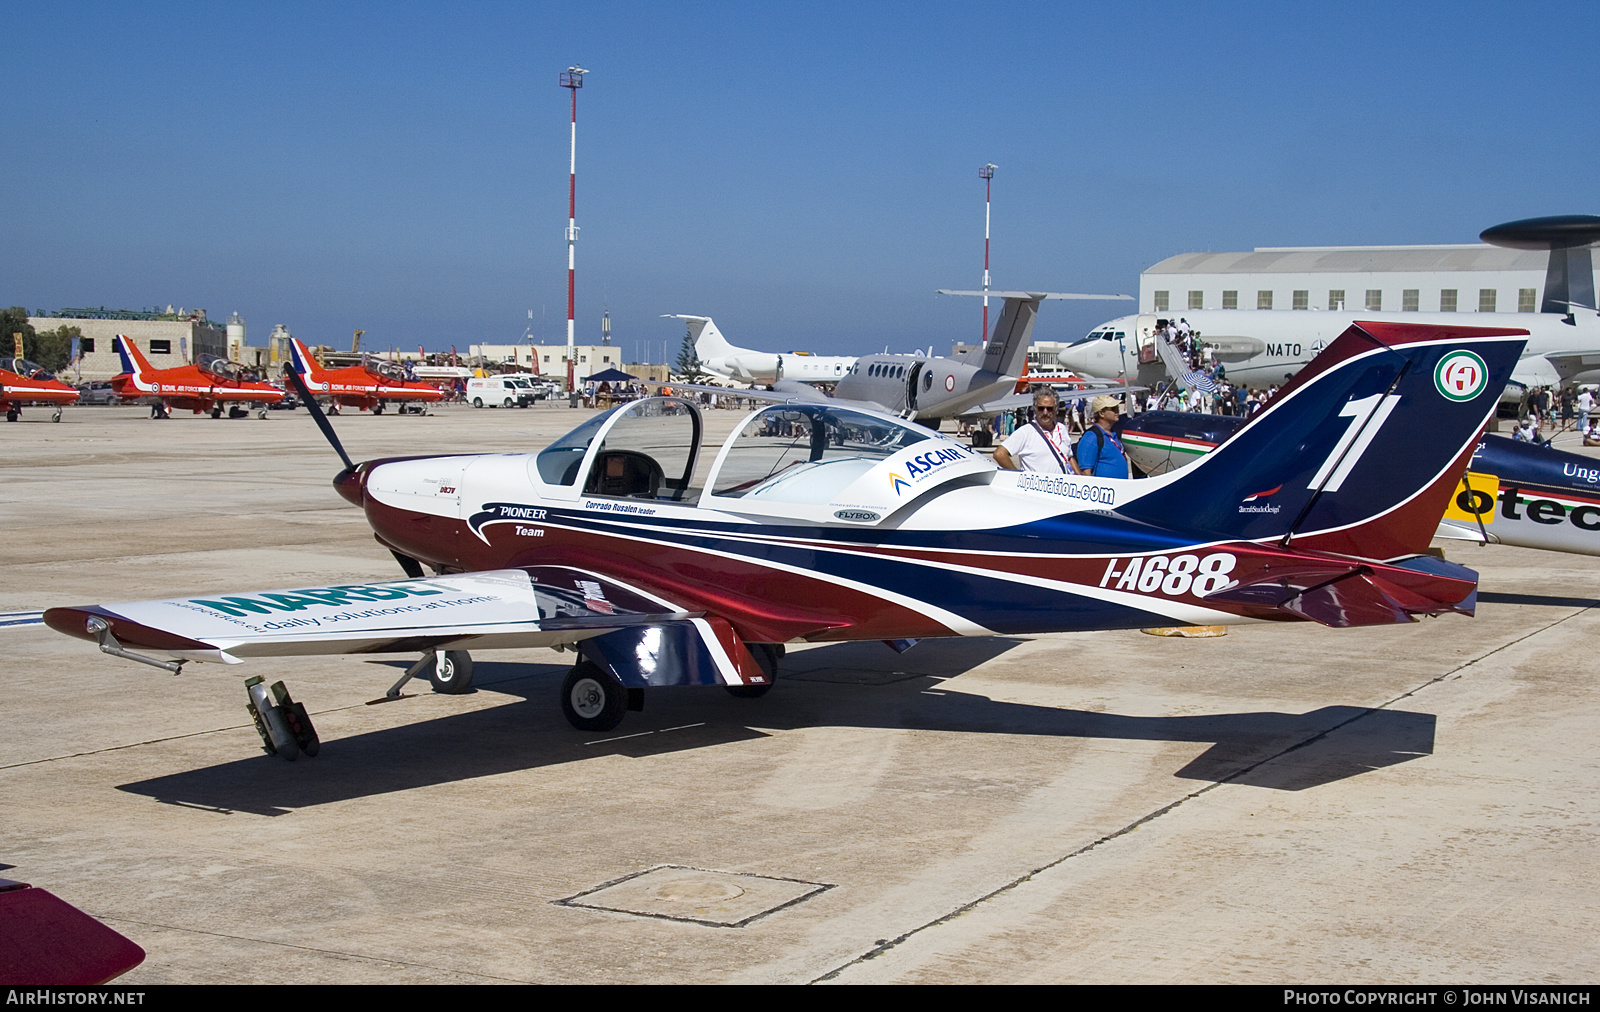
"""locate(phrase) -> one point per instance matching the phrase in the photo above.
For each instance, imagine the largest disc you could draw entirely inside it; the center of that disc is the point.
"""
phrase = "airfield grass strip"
(311, 948)
(887, 944)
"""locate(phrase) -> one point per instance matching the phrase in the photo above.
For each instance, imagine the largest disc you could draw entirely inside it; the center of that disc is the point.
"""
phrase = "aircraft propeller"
(316, 413)
(412, 567)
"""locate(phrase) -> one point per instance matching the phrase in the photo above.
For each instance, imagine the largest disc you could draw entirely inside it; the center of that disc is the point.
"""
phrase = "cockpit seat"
(624, 473)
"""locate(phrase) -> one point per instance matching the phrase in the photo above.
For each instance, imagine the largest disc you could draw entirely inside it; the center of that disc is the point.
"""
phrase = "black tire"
(12, 416)
(766, 655)
(377, 409)
(592, 699)
(510, 403)
(216, 412)
(456, 677)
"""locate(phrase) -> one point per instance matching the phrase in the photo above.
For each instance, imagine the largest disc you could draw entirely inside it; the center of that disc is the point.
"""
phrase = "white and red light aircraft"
(822, 522)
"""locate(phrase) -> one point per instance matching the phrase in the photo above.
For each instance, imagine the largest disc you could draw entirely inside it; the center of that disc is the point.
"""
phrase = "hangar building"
(1467, 278)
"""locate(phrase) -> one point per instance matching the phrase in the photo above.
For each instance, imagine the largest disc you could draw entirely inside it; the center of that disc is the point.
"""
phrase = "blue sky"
(806, 174)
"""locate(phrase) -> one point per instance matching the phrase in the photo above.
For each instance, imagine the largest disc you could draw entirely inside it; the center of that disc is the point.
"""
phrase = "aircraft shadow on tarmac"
(1548, 601)
(841, 685)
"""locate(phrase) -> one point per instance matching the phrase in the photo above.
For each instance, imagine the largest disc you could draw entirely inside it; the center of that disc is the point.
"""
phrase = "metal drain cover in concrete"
(719, 898)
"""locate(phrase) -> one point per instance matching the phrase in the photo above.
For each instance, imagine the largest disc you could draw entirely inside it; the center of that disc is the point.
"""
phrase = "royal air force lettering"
(1066, 487)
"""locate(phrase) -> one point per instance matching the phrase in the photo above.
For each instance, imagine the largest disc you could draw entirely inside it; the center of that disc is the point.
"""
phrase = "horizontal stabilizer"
(1341, 595)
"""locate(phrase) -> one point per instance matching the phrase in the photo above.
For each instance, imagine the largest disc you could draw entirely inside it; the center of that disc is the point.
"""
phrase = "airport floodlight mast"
(987, 175)
(572, 79)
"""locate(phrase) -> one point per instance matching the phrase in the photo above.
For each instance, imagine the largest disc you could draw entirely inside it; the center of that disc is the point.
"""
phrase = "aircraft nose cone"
(350, 484)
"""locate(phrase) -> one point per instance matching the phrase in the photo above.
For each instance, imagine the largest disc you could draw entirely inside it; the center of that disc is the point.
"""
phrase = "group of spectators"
(1544, 413)
(1045, 442)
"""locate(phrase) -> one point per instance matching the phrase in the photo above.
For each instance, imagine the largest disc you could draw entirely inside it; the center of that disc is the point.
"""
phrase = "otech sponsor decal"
(1460, 376)
(1066, 487)
(1476, 504)
(1181, 574)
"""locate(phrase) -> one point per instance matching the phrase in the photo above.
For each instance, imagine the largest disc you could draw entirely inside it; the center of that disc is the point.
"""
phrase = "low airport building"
(1468, 278)
(172, 338)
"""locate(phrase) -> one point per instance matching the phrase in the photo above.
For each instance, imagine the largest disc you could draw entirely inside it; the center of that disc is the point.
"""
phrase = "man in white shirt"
(1042, 444)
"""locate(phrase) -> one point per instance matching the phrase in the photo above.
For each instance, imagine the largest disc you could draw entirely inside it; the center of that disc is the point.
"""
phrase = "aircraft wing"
(1039, 295)
(1011, 402)
(782, 392)
(643, 638)
(1571, 363)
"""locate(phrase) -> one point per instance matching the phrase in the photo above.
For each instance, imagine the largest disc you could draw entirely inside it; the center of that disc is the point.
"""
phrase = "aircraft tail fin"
(707, 339)
(133, 361)
(1006, 352)
(1358, 454)
(304, 362)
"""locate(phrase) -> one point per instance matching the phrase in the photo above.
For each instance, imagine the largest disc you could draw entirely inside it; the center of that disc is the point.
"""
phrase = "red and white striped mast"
(987, 175)
(572, 79)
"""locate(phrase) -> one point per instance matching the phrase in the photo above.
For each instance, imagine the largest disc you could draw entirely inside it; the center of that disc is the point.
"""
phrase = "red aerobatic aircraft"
(24, 382)
(369, 386)
(824, 522)
(211, 384)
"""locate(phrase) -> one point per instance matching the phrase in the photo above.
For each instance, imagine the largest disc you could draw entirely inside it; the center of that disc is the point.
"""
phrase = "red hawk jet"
(369, 386)
(211, 384)
(24, 382)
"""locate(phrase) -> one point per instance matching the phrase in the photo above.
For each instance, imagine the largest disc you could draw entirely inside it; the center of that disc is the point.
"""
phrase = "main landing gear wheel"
(377, 409)
(450, 674)
(766, 655)
(216, 412)
(592, 699)
(12, 414)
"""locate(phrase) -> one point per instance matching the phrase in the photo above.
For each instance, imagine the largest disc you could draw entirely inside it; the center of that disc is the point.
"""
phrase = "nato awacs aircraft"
(820, 522)
(1513, 493)
(23, 382)
(370, 386)
(1264, 347)
(212, 384)
(932, 387)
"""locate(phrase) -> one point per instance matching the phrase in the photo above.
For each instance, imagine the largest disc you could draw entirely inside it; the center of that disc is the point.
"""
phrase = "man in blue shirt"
(1100, 453)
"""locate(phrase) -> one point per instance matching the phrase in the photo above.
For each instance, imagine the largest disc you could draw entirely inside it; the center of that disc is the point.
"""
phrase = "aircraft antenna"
(987, 175)
(572, 80)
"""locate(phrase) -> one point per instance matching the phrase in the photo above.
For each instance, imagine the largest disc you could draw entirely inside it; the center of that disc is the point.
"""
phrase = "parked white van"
(498, 391)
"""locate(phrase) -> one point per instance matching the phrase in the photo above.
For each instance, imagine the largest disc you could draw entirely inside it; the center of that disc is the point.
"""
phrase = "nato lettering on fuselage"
(1284, 350)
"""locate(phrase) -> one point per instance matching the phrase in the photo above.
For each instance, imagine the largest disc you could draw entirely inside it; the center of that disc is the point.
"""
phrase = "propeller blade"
(316, 412)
